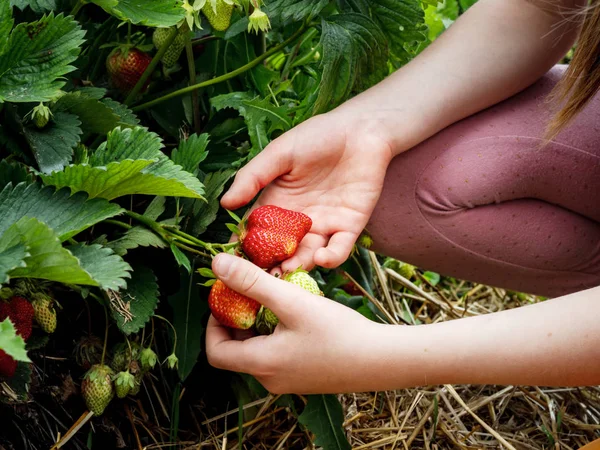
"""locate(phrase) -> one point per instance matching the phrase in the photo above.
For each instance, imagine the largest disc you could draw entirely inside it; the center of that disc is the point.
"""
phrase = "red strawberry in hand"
(20, 311)
(125, 67)
(230, 308)
(272, 234)
(8, 366)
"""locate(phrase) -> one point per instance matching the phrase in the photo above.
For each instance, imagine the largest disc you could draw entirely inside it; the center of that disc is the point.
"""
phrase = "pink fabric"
(482, 201)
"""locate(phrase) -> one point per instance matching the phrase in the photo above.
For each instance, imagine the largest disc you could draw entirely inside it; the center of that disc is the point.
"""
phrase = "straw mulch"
(436, 417)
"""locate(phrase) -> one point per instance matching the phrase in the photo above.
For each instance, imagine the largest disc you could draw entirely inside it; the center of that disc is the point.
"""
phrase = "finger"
(275, 160)
(226, 353)
(244, 277)
(305, 254)
(337, 251)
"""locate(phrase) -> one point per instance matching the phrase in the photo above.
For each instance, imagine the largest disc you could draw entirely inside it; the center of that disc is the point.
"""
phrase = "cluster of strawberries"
(269, 236)
(21, 313)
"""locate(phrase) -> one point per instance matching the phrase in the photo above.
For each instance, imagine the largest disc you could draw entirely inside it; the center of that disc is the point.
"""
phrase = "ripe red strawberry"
(8, 365)
(231, 308)
(125, 67)
(20, 312)
(271, 234)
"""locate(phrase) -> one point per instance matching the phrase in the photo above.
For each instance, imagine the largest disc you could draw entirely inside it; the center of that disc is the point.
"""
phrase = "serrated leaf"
(141, 297)
(323, 416)
(351, 43)
(107, 268)
(126, 116)
(38, 54)
(10, 259)
(129, 162)
(136, 237)
(38, 6)
(11, 342)
(191, 152)
(155, 208)
(53, 145)
(181, 258)
(95, 116)
(204, 213)
(66, 214)
(189, 308)
(48, 260)
(157, 13)
(14, 172)
(285, 11)
(6, 24)
(261, 117)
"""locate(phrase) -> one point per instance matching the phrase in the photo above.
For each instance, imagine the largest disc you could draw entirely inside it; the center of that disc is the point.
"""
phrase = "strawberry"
(124, 383)
(45, 314)
(20, 312)
(40, 115)
(8, 366)
(97, 388)
(350, 288)
(173, 53)
(148, 359)
(231, 308)
(125, 67)
(122, 355)
(272, 234)
(266, 320)
(406, 270)
(218, 13)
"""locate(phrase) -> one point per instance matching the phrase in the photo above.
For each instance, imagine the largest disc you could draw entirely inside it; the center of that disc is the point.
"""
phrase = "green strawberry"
(40, 115)
(172, 54)
(218, 13)
(124, 383)
(148, 359)
(121, 355)
(138, 375)
(406, 270)
(45, 314)
(266, 320)
(97, 388)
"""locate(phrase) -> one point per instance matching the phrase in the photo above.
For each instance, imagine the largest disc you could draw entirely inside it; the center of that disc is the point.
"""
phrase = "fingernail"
(222, 264)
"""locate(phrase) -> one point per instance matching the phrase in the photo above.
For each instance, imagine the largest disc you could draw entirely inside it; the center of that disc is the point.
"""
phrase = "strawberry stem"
(189, 52)
(80, 4)
(159, 54)
(173, 328)
(105, 336)
(221, 78)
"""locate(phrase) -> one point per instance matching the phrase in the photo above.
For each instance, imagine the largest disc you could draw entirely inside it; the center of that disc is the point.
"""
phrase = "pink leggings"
(481, 200)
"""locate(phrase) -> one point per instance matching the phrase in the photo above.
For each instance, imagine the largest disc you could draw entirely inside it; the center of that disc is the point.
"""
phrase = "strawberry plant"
(121, 125)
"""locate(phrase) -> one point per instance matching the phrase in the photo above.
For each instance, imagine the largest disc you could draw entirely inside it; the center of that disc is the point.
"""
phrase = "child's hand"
(318, 345)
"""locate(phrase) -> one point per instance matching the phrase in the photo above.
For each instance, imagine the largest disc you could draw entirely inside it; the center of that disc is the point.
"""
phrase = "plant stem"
(173, 328)
(105, 335)
(117, 223)
(192, 69)
(80, 4)
(150, 224)
(159, 54)
(223, 77)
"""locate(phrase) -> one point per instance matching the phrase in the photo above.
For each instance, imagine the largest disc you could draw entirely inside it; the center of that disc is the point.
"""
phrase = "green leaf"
(48, 260)
(189, 308)
(139, 301)
(104, 265)
(294, 10)
(38, 54)
(53, 145)
(10, 259)
(66, 214)
(181, 258)
(466, 4)
(6, 24)
(14, 172)
(130, 162)
(323, 416)
(262, 118)
(157, 13)
(11, 343)
(352, 43)
(205, 213)
(126, 116)
(134, 238)
(95, 116)
(38, 6)
(155, 208)
(191, 152)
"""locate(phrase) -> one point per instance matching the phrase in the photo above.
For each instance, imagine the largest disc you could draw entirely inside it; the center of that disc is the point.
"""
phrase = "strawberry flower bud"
(148, 359)
(172, 361)
(259, 21)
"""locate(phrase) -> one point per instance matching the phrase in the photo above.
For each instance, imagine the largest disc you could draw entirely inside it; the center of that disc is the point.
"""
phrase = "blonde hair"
(581, 80)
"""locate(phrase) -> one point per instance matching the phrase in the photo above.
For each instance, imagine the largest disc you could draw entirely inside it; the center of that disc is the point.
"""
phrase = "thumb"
(250, 280)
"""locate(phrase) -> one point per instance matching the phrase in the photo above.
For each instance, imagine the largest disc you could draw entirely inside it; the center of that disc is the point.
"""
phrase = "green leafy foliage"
(38, 6)
(157, 13)
(201, 213)
(134, 306)
(11, 343)
(130, 162)
(134, 238)
(285, 11)
(53, 145)
(191, 152)
(37, 55)
(323, 416)
(6, 24)
(10, 259)
(13, 172)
